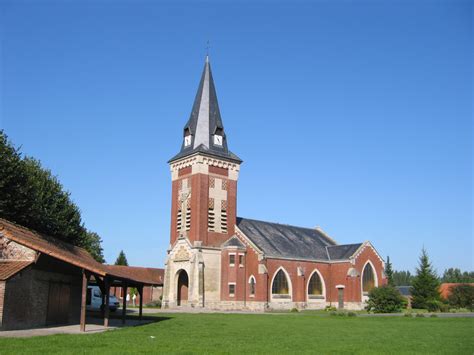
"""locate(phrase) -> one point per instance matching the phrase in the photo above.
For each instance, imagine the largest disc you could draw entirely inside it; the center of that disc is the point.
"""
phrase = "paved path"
(93, 326)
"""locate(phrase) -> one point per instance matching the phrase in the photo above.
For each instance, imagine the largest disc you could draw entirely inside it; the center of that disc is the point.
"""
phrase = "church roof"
(291, 242)
(342, 252)
(205, 122)
(233, 242)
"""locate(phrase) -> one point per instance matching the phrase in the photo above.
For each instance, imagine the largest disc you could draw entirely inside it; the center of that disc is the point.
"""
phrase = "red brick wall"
(199, 207)
(332, 274)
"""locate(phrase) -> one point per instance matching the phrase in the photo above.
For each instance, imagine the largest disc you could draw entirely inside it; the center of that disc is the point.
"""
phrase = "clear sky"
(352, 116)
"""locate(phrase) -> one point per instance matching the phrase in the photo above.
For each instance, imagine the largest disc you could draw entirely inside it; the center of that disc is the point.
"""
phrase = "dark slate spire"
(204, 131)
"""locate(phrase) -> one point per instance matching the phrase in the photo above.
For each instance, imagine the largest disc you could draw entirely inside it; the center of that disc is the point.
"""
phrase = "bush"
(330, 309)
(462, 296)
(385, 299)
(408, 315)
(433, 305)
(434, 316)
(156, 304)
(294, 310)
(420, 315)
(352, 314)
(333, 313)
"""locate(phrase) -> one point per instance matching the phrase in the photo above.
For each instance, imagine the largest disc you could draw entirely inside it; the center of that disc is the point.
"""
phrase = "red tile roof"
(9, 268)
(75, 255)
(154, 276)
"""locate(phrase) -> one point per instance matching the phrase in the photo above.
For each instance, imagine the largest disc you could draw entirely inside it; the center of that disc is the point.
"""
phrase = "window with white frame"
(241, 260)
(231, 259)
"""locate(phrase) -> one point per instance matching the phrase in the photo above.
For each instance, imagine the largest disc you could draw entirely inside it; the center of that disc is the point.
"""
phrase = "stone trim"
(200, 164)
(361, 249)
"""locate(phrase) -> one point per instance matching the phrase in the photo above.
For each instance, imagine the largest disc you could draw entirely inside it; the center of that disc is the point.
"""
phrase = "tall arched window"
(315, 286)
(252, 286)
(368, 278)
(280, 286)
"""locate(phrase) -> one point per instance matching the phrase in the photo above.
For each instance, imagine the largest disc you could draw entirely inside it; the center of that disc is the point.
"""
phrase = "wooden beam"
(140, 311)
(107, 301)
(124, 305)
(85, 281)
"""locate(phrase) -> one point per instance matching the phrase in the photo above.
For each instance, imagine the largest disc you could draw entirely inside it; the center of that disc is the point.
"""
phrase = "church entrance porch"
(183, 285)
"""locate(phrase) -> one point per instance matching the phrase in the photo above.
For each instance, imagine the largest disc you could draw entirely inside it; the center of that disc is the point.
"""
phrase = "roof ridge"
(284, 224)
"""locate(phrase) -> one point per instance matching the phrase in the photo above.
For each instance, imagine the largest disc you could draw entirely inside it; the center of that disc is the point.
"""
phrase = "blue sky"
(352, 116)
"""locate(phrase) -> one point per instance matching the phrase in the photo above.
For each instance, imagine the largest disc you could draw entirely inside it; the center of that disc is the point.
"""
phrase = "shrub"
(352, 314)
(333, 313)
(330, 309)
(408, 315)
(434, 316)
(433, 305)
(385, 299)
(156, 304)
(420, 315)
(294, 310)
(462, 296)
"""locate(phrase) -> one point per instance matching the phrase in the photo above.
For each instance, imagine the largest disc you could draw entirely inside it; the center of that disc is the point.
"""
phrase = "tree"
(462, 296)
(32, 196)
(385, 299)
(455, 275)
(425, 285)
(389, 272)
(121, 259)
(402, 278)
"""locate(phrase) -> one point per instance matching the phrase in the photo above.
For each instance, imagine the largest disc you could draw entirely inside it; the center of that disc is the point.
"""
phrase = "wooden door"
(340, 298)
(58, 303)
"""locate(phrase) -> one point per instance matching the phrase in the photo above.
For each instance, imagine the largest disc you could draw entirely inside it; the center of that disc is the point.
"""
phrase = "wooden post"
(107, 301)
(140, 292)
(85, 281)
(124, 306)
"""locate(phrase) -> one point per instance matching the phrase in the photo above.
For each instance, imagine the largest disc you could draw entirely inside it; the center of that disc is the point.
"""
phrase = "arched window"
(252, 286)
(280, 286)
(368, 278)
(315, 286)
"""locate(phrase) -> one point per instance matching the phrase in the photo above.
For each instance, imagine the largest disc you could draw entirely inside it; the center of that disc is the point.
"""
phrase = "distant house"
(43, 281)
(405, 291)
(151, 293)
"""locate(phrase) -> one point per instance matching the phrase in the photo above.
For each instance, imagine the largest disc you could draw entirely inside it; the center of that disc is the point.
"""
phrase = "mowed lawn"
(265, 333)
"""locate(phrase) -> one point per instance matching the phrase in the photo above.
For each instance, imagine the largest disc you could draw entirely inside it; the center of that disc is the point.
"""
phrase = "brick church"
(217, 260)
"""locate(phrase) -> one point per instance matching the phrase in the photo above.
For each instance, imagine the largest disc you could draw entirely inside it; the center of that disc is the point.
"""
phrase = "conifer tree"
(389, 272)
(121, 259)
(425, 285)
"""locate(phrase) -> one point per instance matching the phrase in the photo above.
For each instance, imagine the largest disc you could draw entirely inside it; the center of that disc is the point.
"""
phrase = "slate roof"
(342, 252)
(205, 121)
(233, 242)
(404, 290)
(292, 242)
(10, 268)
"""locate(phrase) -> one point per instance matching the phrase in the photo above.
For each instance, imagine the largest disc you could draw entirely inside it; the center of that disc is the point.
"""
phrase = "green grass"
(266, 333)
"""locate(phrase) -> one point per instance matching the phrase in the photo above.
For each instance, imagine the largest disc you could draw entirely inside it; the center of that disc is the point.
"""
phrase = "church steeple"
(204, 131)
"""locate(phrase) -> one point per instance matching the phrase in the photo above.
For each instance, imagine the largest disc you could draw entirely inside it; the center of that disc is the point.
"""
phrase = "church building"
(217, 260)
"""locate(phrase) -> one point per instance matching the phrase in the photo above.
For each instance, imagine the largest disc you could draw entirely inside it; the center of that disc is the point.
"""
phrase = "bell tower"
(204, 174)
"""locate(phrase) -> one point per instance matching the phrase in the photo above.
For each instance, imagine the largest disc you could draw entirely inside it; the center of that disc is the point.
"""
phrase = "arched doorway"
(183, 283)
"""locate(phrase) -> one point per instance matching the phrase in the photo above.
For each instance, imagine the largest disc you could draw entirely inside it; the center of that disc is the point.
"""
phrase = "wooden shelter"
(23, 250)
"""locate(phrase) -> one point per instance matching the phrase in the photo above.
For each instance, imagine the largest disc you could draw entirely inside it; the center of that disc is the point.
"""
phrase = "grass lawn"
(265, 333)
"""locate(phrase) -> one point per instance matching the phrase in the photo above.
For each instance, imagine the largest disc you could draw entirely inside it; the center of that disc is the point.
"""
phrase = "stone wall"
(2, 294)
(10, 250)
(26, 298)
